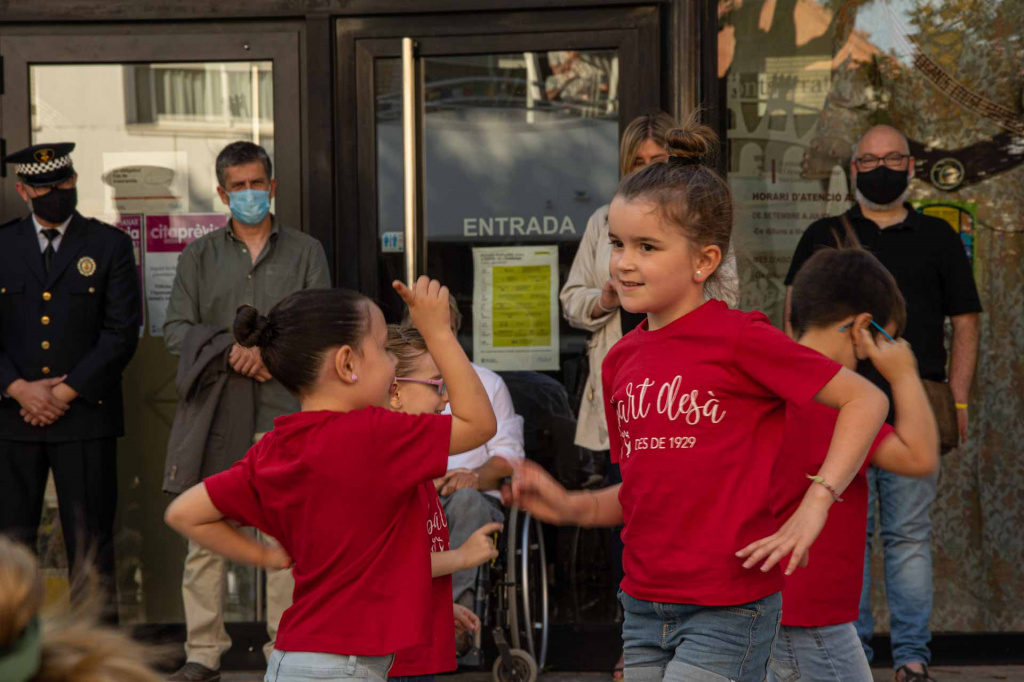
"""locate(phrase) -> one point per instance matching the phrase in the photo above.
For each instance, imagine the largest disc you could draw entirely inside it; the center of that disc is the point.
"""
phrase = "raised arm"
(912, 449)
(473, 422)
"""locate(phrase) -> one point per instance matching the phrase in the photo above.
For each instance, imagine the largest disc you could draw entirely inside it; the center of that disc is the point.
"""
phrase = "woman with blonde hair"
(65, 646)
(590, 302)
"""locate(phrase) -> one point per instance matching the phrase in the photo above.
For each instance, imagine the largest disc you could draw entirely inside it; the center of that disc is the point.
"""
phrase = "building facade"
(521, 103)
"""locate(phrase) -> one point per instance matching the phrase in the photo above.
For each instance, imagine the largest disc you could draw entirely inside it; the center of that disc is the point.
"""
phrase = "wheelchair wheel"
(527, 581)
(518, 667)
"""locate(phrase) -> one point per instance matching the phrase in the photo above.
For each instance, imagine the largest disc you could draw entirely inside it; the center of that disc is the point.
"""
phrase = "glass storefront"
(521, 117)
(800, 81)
(147, 139)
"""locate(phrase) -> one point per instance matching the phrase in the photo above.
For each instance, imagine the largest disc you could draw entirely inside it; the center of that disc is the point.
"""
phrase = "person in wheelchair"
(469, 490)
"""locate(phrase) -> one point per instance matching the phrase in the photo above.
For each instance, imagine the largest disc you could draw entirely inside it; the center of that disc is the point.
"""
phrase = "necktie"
(50, 235)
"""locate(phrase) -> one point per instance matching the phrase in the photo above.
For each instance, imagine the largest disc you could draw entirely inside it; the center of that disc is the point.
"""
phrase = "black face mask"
(882, 185)
(56, 206)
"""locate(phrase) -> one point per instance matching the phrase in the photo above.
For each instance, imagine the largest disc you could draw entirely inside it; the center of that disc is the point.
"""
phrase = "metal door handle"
(412, 156)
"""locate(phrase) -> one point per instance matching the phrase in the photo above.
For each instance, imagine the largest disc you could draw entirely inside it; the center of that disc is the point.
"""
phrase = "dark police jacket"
(81, 320)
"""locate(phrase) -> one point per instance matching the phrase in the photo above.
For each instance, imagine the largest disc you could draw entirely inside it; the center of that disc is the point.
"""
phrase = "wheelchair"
(513, 591)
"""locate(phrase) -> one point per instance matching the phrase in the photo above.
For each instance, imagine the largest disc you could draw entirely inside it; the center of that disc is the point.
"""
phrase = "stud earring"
(698, 273)
(355, 378)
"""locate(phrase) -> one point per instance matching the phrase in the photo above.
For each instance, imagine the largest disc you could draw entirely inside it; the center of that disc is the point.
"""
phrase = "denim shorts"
(686, 642)
(831, 653)
(306, 666)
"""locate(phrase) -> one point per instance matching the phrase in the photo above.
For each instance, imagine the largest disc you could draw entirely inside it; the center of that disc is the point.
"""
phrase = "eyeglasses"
(437, 383)
(894, 161)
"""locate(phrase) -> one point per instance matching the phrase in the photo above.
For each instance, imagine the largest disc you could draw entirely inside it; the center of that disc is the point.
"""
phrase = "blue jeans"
(906, 535)
(689, 643)
(414, 678)
(826, 654)
(307, 666)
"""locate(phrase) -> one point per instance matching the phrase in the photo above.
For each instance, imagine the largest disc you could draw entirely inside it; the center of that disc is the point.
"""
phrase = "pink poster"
(132, 225)
(166, 237)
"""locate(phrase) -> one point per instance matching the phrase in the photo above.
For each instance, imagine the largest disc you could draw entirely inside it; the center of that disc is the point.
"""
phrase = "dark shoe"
(195, 672)
(905, 674)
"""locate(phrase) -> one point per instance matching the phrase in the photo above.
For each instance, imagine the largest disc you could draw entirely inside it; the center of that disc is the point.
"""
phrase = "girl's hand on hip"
(275, 557)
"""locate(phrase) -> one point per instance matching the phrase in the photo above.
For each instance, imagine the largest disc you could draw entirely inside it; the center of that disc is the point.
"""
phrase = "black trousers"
(85, 474)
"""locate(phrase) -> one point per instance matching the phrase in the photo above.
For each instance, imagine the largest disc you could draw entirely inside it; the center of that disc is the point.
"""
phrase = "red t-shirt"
(696, 412)
(439, 655)
(827, 590)
(341, 492)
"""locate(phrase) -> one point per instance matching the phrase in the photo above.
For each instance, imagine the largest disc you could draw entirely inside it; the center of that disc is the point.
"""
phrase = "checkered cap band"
(31, 169)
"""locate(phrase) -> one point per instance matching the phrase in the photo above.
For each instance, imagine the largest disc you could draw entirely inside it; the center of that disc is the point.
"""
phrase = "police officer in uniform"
(69, 323)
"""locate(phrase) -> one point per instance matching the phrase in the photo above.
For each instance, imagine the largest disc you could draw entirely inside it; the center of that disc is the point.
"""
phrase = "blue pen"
(879, 328)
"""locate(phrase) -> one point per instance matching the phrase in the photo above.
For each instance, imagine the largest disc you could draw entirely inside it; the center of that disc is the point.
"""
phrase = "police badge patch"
(86, 266)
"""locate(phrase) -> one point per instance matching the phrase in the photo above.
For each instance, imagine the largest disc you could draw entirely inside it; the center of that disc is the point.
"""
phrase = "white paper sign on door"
(515, 307)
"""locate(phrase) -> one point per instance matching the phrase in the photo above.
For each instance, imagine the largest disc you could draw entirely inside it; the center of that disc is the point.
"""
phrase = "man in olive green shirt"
(257, 261)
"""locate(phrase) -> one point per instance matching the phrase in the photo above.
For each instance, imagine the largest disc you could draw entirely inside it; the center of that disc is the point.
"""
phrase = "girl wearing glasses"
(419, 389)
(339, 483)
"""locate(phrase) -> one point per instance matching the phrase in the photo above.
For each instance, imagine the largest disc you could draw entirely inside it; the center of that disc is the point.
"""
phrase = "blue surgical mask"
(249, 206)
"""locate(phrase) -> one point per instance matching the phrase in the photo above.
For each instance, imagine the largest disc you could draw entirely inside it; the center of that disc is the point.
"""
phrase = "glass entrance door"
(148, 115)
(519, 136)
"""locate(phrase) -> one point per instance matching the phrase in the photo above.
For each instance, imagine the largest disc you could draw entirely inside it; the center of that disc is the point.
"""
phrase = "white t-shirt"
(508, 441)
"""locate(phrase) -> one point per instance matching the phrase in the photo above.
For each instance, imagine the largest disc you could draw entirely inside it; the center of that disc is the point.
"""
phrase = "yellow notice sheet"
(515, 307)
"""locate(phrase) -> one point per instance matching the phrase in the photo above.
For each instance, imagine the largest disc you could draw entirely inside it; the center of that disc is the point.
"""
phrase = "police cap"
(42, 165)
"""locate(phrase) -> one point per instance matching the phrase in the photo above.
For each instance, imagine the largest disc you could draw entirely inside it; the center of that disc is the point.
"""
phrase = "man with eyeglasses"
(928, 261)
(69, 324)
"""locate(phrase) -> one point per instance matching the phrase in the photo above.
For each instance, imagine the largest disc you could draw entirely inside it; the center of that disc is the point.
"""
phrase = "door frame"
(634, 31)
(175, 43)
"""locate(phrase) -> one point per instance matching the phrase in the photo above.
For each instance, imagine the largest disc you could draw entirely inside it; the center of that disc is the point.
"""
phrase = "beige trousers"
(203, 585)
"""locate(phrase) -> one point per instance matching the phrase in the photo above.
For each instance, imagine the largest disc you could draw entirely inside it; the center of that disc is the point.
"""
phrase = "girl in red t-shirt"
(420, 389)
(340, 484)
(695, 404)
(838, 297)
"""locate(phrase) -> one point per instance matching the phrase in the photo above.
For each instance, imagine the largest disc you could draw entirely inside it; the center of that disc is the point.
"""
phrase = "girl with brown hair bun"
(695, 399)
(337, 483)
